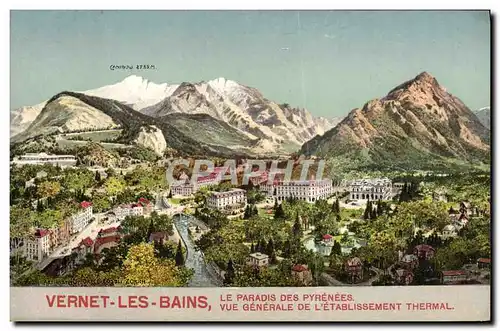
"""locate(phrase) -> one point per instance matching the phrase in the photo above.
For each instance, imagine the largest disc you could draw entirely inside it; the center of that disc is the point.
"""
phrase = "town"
(80, 224)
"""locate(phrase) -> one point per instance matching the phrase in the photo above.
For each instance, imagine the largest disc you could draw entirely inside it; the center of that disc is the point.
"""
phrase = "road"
(91, 230)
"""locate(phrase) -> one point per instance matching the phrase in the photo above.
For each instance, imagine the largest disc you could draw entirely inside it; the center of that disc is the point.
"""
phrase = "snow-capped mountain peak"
(223, 84)
(240, 106)
(135, 91)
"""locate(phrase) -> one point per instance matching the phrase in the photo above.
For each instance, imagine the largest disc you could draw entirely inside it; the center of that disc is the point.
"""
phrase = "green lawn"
(97, 136)
(174, 201)
(263, 212)
(347, 213)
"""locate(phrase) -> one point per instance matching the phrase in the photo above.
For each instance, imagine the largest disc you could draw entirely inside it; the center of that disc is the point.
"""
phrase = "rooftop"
(86, 242)
(40, 233)
(230, 192)
(300, 268)
(259, 256)
(424, 247)
(454, 273)
(85, 204)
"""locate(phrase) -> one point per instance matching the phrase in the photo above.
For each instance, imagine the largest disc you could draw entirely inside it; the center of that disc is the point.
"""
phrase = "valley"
(404, 187)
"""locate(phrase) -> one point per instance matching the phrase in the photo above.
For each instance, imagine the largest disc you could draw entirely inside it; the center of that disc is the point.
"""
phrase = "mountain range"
(263, 125)
(483, 114)
(418, 123)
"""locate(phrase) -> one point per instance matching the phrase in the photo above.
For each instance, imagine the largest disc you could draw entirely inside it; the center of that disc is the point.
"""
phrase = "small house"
(327, 238)
(354, 267)
(454, 276)
(404, 277)
(424, 251)
(483, 263)
(158, 237)
(409, 261)
(449, 231)
(302, 273)
(258, 260)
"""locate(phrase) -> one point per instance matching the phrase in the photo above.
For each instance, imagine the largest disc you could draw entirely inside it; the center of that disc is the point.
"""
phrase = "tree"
(169, 194)
(179, 256)
(252, 248)
(97, 177)
(380, 208)
(262, 245)
(114, 186)
(368, 210)
(297, 228)
(279, 213)
(246, 214)
(336, 207)
(270, 247)
(337, 248)
(229, 275)
(255, 211)
(78, 180)
(48, 189)
(110, 172)
(48, 218)
(151, 228)
(100, 202)
(287, 249)
(142, 268)
(373, 212)
(21, 221)
(39, 206)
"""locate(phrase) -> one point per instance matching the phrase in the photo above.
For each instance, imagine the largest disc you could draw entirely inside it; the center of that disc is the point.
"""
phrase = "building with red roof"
(108, 231)
(87, 242)
(302, 274)
(483, 263)
(354, 267)
(214, 178)
(105, 242)
(327, 237)
(85, 204)
(37, 245)
(81, 219)
(86, 246)
(131, 209)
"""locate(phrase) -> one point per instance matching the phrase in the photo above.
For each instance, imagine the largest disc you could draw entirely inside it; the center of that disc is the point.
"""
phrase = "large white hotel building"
(306, 190)
(186, 187)
(371, 189)
(43, 158)
(228, 200)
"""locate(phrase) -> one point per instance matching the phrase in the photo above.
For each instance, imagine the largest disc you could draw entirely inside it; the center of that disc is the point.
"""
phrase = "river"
(194, 259)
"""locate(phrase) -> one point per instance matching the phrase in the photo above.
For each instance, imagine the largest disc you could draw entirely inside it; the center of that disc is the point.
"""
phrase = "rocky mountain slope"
(74, 111)
(279, 127)
(483, 115)
(133, 91)
(416, 123)
(244, 108)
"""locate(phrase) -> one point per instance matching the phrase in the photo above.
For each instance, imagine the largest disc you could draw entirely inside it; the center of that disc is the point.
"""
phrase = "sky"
(329, 62)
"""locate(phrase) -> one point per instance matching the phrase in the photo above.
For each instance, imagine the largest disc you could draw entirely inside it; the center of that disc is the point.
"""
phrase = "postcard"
(250, 166)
